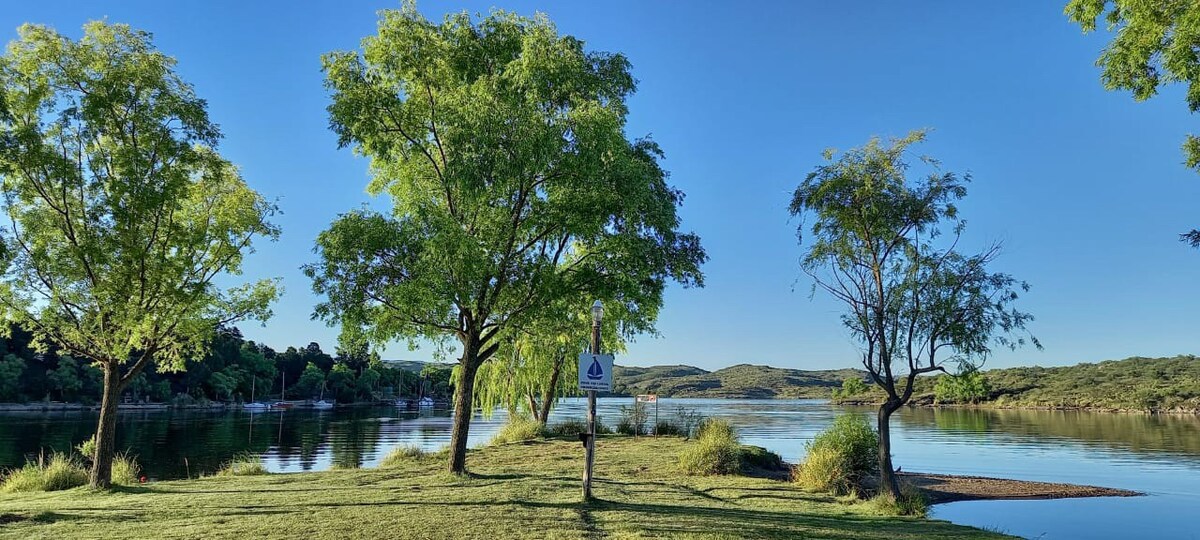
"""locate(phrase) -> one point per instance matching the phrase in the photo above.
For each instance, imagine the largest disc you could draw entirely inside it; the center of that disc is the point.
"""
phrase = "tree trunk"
(106, 431)
(463, 398)
(548, 396)
(887, 473)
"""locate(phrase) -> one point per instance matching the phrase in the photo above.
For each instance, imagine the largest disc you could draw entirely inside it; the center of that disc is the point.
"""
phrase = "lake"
(1157, 455)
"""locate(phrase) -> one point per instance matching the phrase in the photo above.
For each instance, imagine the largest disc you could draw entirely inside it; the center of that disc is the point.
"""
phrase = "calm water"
(1156, 455)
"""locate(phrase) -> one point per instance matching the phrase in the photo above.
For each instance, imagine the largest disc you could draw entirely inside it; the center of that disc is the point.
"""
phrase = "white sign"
(595, 372)
(647, 398)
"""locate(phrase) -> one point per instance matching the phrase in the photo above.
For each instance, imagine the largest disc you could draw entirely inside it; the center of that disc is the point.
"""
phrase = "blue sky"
(1084, 187)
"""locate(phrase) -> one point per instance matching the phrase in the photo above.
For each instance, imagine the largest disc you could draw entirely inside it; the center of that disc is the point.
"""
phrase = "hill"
(1133, 384)
(740, 381)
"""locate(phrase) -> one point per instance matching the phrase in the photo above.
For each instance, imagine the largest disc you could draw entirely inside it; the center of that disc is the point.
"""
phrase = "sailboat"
(254, 405)
(282, 403)
(321, 404)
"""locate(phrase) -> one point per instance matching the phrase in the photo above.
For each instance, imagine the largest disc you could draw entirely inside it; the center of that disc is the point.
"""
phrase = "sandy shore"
(942, 488)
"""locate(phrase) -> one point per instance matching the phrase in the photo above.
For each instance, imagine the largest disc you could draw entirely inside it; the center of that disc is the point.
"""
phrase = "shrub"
(968, 386)
(757, 457)
(667, 428)
(125, 470)
(689, 420)
(715, 450)
(566, 428)
(87, 448)
(60, 471)
(518, 429)
(911, 502)
(850, 388)
(841, 457)
(243, 465)
(633, 419)
(402, 454)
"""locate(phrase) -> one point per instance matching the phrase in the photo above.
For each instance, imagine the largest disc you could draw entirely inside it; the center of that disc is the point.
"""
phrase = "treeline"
(231, 370)
(1133, 384)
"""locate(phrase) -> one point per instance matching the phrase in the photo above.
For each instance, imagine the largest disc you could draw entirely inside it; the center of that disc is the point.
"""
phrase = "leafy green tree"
(885, 245)
(65, 378)
(366, 383)
(341, 382)
(502, 147)
(536, 363)
(11, 367)
(967, 386)
(120, 212)
(1155, 44)
(311, 380)
(850, 387)
(260, 373)
(225, 382)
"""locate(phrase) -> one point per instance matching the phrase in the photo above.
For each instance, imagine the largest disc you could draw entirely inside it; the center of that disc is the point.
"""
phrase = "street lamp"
(597, 313)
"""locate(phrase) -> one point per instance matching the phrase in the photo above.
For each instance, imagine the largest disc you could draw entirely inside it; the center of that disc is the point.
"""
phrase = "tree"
(120, 211)
(502, 147)
(341, 383)
(967, 386)
(1155, 44)
(914, 302)
(11, 367)
(311, 380)
(65, 378)
(536, 363)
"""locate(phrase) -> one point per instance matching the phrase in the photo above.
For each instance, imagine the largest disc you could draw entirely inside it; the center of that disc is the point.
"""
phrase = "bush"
(125, 470)
(841, 457)
(667, 428)
(850, 388)
(403, 454)
(715, 450)
(566, 428)
(59, 472)
(968, 386)
(633, 419)
(689, 420)
(243, 465)
(911, 502)
(87, 448)
(757, 457)
(518, 429)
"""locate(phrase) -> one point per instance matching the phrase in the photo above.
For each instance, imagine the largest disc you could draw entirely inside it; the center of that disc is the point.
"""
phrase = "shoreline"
(948, 488)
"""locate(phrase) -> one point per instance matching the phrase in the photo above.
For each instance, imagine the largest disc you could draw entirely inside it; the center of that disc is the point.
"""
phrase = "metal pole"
(590, 448)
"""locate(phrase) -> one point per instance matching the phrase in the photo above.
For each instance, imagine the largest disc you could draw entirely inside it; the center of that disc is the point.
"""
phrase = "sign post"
(595, 373)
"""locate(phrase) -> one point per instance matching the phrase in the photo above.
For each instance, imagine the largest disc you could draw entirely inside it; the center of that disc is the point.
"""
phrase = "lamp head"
(597, 312)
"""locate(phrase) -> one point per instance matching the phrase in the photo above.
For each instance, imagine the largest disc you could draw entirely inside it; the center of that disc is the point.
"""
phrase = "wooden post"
(590, 444)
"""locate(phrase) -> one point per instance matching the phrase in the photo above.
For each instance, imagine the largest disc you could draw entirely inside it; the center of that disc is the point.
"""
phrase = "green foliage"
(910, 503)
(566, 429)
(311, 381)
(514, 190)
(667, 428)
(633, 419)
(1146, 384)
(58, 472)
(243, 465)
(714, 452)
(518, 429)
(840, 458)
(968, 386)
(403, 454)
(11, 367)
(125, 470)
(757, 457)
(121, 214)
(851, 387)
(1154, 44)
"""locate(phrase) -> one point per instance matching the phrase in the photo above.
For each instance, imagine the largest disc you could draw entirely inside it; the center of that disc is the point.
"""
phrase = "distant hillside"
(1132, 384)
(740, 381)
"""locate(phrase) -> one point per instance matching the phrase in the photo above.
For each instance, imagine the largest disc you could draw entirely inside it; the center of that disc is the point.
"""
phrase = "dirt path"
(941, 488)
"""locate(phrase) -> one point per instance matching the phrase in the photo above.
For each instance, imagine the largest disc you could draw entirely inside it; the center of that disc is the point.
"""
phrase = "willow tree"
(886, 246)
(536, 362)
(501, 145)
(1155, 44)
(120, 213)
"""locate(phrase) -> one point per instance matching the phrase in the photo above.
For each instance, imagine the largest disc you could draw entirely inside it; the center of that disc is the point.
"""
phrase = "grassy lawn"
(523, 490)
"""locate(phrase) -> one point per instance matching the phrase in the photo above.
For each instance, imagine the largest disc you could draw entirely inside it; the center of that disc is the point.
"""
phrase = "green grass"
(243, 465)
(403, 454)
(518, 429)
(515, 491)
(53, 473)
